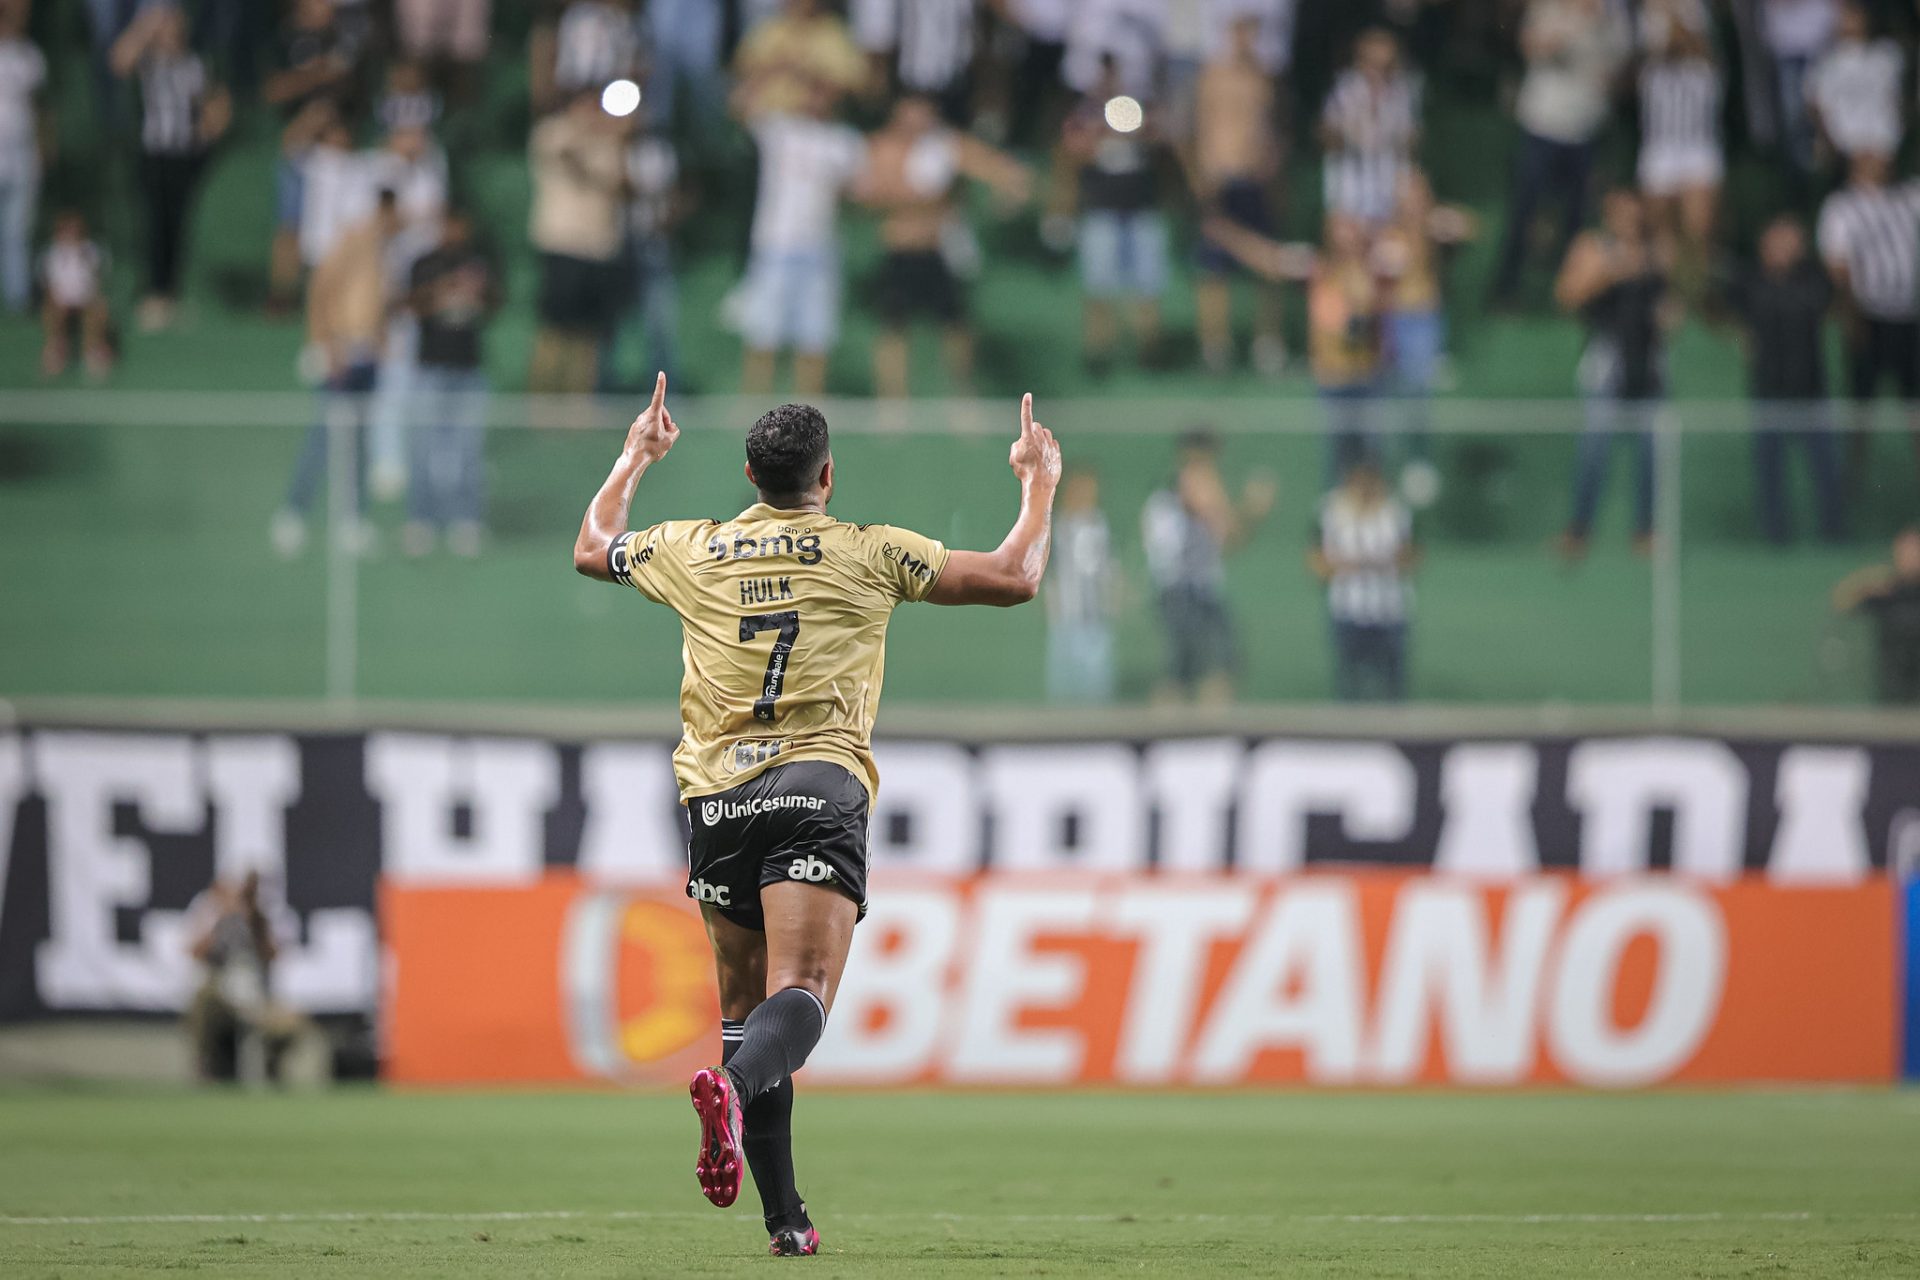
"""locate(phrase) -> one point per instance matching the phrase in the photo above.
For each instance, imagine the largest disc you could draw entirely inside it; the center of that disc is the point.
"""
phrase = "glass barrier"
(154, 545)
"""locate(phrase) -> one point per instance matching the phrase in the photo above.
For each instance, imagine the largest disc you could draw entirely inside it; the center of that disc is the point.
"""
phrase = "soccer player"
(784, 612)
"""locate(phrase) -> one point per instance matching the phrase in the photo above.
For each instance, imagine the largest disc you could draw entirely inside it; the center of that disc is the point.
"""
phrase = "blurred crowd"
(1129, 134)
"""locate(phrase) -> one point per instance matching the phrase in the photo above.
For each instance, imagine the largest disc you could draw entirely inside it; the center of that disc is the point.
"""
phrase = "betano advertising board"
(1347, 979)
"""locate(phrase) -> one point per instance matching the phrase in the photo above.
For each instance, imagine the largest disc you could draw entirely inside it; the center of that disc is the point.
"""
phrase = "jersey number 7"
(788, 626)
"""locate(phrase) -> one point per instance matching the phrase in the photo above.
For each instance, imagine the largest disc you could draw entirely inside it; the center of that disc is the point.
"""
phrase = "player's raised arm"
(1011, 575)
(648, 440)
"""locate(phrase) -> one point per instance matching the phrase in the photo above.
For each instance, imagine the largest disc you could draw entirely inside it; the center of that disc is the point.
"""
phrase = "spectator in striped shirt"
(924, 47)
(1681, 163)
(1369, 128)
(595, 42)
(182, 113)
(1869, 239)
(1188, 527)
(1364, 553)
(409, 100)
(1082, 585)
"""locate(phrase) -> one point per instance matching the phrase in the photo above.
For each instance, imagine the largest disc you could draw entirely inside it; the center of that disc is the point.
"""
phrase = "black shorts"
(918, 282)
(803, 821)
(577, 295)
(1242, 202)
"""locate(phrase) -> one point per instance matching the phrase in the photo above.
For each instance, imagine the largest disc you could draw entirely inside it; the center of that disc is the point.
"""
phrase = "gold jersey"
(783, 618)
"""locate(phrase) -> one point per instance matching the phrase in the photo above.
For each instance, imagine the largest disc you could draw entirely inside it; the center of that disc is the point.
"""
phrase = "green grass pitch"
(368, 1183)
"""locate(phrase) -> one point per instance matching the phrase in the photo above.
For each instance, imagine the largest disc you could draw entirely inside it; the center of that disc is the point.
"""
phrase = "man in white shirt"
(1855, 88)
(1574, 49)
(791, 296)
(23, 71)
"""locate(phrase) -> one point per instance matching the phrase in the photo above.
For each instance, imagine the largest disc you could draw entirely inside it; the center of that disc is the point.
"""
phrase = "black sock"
(777, 1038)
(769, 1143)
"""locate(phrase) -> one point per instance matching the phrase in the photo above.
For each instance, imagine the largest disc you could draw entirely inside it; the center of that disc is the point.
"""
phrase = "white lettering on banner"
(1454, 998)
(929, 798)
(92, 871)
(1176, 928)
(1298, 986)
(1616, 784)
(1688, 982)
(631, 833)
(254, 780)
(13, 787)
(1486, 798)
(1006, 974)
(1821, 792)
(1034, 790)
(508, 785)
(1192, 782)
(891, 1004)
(1441, 968)
(1370, 786)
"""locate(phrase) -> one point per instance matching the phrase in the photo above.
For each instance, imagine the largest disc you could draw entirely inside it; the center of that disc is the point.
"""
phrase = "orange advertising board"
(1364, 979)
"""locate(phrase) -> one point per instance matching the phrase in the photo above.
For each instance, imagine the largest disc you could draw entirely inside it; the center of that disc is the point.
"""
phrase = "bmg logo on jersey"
(719, 895)
(810, 869)
(737, 544)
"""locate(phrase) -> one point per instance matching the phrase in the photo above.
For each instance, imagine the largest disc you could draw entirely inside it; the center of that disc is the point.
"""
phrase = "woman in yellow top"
(1345, 304)
(1406, 257)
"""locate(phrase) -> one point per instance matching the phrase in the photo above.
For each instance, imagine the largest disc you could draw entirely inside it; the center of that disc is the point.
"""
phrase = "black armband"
(620, 559)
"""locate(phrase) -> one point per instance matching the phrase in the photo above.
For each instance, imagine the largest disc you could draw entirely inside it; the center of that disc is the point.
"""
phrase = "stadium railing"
(134, 535)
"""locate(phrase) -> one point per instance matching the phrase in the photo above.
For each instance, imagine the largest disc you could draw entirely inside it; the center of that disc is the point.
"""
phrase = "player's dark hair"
(787, 448)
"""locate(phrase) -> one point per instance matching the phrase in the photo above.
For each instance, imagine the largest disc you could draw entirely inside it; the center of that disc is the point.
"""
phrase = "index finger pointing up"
(659, 390)
(1026, 414)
